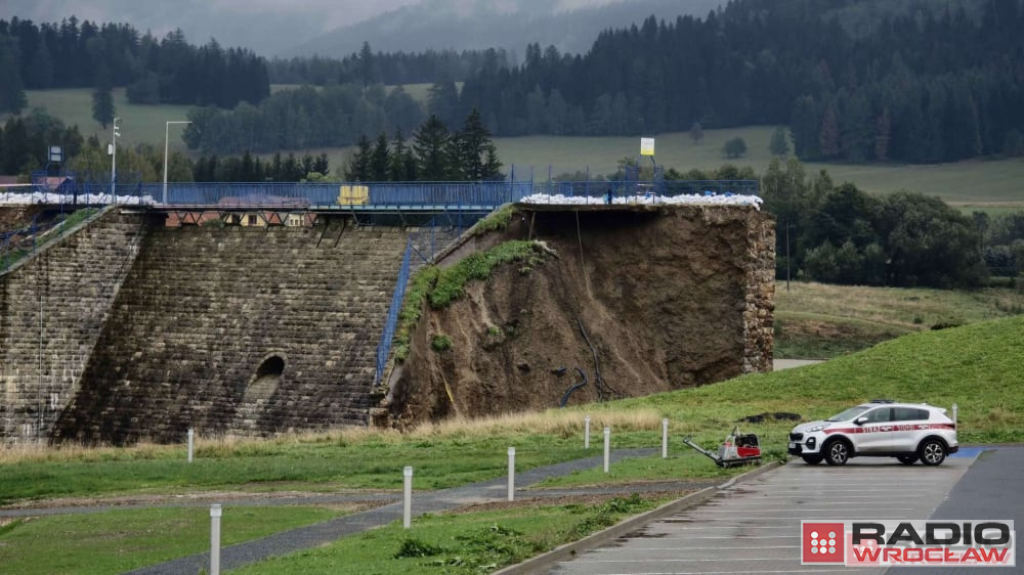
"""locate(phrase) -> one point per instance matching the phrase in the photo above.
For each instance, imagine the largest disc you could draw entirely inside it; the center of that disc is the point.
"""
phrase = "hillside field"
(814, 320)
(139, 124)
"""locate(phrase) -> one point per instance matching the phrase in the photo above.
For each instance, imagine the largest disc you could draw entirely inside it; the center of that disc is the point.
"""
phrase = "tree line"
(88, 55)
(434, 155)
(841, 234)
(923, 86)
(304, 118)
(392, 68)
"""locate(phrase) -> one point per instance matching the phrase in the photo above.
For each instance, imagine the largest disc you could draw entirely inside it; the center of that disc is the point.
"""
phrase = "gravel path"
(285, 542)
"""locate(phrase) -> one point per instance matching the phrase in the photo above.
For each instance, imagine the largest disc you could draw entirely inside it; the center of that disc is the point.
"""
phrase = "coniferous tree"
(401, 161)
(102, 101)
(431, 145)
(358, 169)
(12, 93)
(492, 165)
(470, 146)
(380, 159)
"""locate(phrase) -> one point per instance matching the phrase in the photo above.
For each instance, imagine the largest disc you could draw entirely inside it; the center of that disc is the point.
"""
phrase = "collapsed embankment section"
(53, 307)
(239, 330)
(667, 297)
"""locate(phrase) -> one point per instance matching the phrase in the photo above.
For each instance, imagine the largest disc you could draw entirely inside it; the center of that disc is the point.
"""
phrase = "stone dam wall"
(129, 330)
(53, 308)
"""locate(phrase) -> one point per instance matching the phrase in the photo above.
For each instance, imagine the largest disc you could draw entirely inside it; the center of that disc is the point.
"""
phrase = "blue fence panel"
(384, 347)
(431, 195)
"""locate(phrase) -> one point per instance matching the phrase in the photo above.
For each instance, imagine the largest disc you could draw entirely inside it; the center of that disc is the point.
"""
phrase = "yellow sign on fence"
(354, 195)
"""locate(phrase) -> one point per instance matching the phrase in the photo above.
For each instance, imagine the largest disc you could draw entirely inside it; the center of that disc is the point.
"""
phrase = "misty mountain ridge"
(481, 24)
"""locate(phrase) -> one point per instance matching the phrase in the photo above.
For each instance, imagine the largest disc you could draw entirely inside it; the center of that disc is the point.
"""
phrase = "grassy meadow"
(140, 124)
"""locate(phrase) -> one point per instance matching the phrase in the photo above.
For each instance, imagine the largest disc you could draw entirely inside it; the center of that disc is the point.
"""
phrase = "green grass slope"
(976, 367)
(139, 123)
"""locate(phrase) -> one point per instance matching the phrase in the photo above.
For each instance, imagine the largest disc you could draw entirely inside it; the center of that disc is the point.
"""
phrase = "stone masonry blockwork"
(53, 307)
(206, 315)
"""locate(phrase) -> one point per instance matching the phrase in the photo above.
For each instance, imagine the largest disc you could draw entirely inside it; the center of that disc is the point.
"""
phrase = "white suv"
(906, 431)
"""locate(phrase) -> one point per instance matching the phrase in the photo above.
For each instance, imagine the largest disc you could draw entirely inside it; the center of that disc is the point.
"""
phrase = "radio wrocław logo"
(952, 543)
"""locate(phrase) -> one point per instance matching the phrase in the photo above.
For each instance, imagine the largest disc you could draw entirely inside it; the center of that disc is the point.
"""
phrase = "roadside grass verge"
(121, 540)
(470, 543)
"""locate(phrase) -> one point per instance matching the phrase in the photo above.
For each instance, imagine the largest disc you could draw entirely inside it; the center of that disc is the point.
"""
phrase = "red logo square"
(821, 543)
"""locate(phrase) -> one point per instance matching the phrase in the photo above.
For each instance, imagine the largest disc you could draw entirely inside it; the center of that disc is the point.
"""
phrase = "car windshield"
(849, 413)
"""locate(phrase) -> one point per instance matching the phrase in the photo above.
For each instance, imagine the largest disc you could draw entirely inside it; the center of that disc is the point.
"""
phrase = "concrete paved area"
(754, 527)
(990, 490)
(780, 364)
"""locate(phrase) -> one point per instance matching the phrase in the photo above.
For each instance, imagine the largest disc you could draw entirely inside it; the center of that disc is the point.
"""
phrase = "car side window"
(879, 415)
(911, 414)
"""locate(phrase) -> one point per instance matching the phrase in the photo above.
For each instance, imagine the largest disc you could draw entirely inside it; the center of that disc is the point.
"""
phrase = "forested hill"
(83, 54)
(859, 80)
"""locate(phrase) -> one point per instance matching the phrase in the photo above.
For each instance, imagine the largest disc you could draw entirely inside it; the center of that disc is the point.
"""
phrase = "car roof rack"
(882, 401)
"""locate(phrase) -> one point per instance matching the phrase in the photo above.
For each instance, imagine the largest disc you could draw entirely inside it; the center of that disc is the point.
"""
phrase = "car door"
(875, 434)
(909, 424)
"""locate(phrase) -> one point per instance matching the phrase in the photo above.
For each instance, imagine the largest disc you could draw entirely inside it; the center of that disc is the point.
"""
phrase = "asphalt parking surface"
(754, 527)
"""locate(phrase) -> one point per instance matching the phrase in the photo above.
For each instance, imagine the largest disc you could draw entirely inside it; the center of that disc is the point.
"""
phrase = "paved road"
(780, 364)
(990, 490)
(754, 527)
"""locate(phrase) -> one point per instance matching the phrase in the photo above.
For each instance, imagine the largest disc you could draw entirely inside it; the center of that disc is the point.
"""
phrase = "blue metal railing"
(384, 347)
(383, 195)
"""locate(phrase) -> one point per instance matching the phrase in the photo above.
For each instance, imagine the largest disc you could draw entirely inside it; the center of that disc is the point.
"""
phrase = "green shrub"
(441, 343)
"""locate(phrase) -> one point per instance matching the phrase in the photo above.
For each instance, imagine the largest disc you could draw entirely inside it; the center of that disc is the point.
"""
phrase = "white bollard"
(407, 506)
(956, 409)
(664, 438)
(586, 432)
(511, 473)
(215, 513)
(607, 447)
(191, 444)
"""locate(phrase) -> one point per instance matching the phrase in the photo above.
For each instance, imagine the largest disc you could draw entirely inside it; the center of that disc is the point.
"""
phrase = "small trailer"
(738, 449)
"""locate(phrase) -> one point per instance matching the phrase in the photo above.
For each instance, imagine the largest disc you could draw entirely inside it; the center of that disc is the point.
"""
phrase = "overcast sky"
(273, 27)
(325, 14)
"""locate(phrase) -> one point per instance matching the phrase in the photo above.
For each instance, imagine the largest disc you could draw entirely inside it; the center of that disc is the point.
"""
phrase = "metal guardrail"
(384, 347)
(383, 195)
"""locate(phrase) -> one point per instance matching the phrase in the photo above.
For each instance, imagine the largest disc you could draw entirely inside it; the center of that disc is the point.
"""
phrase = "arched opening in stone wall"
(269, 371)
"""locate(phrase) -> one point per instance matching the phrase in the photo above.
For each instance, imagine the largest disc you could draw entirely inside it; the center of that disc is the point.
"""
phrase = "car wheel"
(907, 459)
(812, 459)
(837, 453)
(932, 452)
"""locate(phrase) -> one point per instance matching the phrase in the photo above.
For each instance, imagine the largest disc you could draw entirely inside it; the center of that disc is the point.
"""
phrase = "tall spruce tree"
(103, 99)
(358, 168)
(470, 146)
(431, 144)
(380, 159)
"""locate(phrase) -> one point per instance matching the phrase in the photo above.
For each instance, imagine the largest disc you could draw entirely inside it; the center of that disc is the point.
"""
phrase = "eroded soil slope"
(669, 298)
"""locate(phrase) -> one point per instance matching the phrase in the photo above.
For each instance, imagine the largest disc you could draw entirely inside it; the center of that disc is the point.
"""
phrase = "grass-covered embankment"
(814, 320)
(122, 540)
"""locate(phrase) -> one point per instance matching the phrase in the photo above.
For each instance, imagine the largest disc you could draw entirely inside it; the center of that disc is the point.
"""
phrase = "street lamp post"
(167, 131)
(113, 164)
